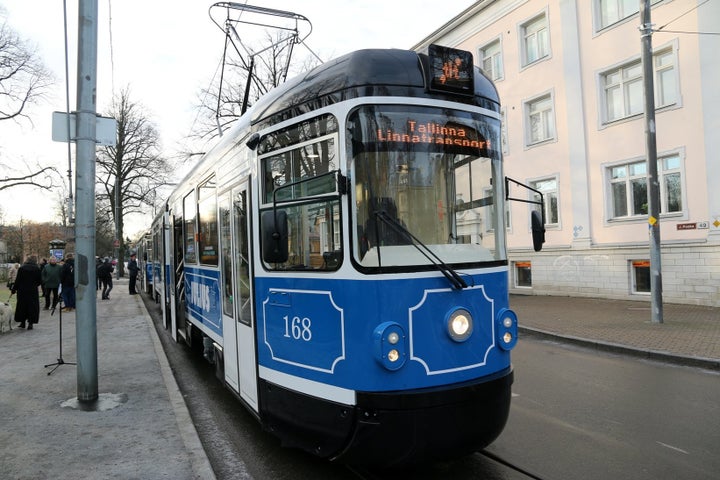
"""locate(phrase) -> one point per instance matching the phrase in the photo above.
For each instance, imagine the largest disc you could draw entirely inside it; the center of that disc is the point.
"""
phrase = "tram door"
(238, 328)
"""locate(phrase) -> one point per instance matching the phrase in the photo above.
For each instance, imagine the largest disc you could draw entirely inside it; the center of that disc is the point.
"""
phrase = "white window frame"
(548, 193)
(626, 9)
(545, 116)
(665, 72)
(492, 51)
(537, 30)
(630, 85)
(664, 172)
(491, 211)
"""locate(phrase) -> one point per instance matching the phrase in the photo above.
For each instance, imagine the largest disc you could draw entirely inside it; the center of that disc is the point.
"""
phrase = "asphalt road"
(576, 413)
(585, 414)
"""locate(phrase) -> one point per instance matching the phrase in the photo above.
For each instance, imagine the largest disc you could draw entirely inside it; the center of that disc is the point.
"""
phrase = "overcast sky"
(166, 51)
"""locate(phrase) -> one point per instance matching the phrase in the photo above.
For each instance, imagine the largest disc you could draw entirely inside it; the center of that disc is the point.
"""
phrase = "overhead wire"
(683, 14)
(112, 57)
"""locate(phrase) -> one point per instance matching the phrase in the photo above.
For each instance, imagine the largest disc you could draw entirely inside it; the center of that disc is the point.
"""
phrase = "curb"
(199, 461)
(696, 362)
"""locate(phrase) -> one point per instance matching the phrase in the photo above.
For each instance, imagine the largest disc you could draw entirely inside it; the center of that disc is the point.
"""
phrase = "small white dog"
(6, 316)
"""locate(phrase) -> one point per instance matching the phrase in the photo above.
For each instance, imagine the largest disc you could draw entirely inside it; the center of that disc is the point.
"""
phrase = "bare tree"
(23, 77)
(24, 80)
(129, 171)
(222, 102)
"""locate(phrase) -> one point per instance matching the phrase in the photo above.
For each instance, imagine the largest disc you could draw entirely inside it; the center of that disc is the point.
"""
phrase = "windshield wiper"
(455, 280)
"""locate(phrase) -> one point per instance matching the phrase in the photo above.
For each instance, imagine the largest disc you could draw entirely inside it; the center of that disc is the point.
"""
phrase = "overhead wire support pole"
(86, 321)
(651, 150)
(70, 199)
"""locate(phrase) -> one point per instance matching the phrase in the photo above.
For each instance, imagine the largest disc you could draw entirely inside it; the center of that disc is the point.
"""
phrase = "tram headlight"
(390, 345)
(460, 325)
(506, 322)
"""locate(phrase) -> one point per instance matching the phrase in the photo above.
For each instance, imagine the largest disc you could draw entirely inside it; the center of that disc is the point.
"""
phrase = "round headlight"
(507, 338)
(393, 355)
(460, 325)
(393, 338)
(507, 322)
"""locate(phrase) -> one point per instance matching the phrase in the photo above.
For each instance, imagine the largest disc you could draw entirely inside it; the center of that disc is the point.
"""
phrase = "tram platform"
(139, 428)
(688, 335)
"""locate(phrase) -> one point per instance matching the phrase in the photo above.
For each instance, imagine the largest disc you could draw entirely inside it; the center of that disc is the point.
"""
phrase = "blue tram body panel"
(327, 330)
(202, 293)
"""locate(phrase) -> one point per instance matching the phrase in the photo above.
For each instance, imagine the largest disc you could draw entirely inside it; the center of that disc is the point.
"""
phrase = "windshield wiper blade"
(455, 280)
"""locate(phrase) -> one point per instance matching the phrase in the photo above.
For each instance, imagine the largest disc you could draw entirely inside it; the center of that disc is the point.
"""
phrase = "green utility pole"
(651, 149)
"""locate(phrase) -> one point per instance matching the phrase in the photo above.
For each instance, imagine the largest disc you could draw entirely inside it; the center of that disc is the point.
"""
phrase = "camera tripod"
(60, 360)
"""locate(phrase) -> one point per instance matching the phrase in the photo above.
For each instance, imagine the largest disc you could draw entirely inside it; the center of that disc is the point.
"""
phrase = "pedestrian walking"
(133, 269)
(98, 283)
(104, 273)
(43, 264)
(26, 285)
(51, 281)
(67, 280)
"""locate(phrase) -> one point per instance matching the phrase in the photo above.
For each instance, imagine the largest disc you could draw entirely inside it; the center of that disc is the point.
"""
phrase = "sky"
(165, 52)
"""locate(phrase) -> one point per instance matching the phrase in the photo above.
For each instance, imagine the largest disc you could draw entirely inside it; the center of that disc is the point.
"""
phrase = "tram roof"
(370, 72)
(362, 73)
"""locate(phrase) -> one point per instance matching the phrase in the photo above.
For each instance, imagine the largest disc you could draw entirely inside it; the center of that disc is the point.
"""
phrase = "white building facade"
(570, 81)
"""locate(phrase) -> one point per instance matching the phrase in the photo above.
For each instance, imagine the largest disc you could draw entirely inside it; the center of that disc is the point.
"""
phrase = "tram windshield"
(425, 179)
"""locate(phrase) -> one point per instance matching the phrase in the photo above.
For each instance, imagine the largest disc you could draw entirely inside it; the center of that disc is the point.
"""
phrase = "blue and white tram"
(341, 253)
(144, 251)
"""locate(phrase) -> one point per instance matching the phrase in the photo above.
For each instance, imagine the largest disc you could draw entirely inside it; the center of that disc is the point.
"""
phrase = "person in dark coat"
(26, 285)
(51, 282)
(104, 273)
(67, 280)
(133, 269)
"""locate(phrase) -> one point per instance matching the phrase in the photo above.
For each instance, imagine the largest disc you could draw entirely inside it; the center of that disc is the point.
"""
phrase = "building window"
(665, 78)
(491, 57)
(640, 276)
(628, 187)
(535, 40)
(540, 120)
(612, 11)
(623, 87)
(490, 214)
(549, 189)
(623, 92)
(523, 274)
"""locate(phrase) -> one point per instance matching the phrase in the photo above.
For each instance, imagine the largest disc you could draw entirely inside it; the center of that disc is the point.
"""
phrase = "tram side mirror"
(538, 230)
(274, 236)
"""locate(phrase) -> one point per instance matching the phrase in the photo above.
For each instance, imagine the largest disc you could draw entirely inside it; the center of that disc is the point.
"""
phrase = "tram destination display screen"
(451, 70)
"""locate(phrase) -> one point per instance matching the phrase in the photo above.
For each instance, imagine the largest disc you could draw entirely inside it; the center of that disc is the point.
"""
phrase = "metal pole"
(651, 150)
(86, 321)
(116, 247)
(70, 212)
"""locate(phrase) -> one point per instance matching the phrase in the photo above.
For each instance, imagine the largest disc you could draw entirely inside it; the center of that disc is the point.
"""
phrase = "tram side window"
(189, 208)
(207, 220)
(293, 178)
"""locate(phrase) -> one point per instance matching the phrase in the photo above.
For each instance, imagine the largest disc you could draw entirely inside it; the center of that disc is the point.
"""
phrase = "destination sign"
(433, 133)
(451, 70)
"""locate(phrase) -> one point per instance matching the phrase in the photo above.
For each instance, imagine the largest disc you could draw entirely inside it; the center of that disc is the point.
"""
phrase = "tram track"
(506, 463)
(490, 467)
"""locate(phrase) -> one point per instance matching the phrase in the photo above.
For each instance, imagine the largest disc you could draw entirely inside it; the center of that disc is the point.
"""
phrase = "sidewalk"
(140, 427)
(689, 334)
